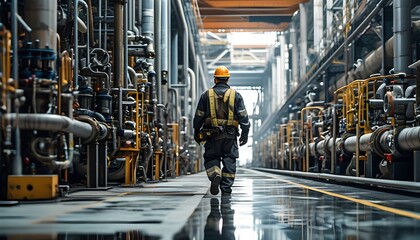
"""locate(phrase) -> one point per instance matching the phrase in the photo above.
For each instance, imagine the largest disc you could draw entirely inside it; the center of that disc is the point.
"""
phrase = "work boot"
(214, 188)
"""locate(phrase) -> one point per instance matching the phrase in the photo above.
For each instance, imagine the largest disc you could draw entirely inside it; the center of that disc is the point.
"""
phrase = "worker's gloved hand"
(197, 137)
(243, 140)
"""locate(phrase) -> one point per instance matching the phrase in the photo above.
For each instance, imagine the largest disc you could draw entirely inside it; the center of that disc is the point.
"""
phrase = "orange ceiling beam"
(206, 11)
(252, 3)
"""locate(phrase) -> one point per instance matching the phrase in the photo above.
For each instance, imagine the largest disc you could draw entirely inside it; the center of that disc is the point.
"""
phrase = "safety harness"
(215, 122)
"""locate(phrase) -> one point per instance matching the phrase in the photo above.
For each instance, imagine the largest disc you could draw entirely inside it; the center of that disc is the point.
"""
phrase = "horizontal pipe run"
(51, 122)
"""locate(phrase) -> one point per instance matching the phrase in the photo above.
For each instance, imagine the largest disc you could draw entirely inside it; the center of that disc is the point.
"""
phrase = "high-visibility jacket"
(221, 106)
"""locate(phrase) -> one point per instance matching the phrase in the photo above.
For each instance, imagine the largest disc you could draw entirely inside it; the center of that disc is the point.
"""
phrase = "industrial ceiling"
(246, 15)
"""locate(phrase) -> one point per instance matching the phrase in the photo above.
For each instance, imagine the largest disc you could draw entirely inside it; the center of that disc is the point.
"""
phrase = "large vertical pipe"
(174, 58)
(303, 40)
(118, 46)
(282, 68)
(17, 163)
(147, 18)
(125, 40)
(185, 38)
(402, 33)
(295, 58)
(330, 18)
(274, 81)
(139, 15)
(165, 45)
(41, 15)
(158, 49)
(318, 24)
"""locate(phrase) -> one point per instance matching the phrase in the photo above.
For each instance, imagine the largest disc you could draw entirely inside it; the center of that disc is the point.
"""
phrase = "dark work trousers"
(223, 150)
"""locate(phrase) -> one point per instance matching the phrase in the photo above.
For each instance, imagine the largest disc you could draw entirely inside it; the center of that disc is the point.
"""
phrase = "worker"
(220, 111)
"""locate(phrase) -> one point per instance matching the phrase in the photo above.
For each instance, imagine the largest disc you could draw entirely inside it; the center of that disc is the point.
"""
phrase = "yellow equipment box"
(32, 187)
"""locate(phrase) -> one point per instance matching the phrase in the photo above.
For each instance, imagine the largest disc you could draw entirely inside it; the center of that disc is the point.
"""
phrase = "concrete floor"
(262, 206)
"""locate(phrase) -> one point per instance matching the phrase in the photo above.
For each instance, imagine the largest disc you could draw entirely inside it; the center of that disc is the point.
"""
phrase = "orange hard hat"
(221, 72)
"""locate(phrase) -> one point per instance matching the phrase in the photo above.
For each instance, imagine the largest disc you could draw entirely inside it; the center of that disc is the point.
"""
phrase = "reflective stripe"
(243, 112)
(213, 170)
(200, 113)
(228, 175)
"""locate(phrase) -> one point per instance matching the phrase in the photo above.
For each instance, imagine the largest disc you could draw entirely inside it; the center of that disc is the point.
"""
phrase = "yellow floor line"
(364, 202)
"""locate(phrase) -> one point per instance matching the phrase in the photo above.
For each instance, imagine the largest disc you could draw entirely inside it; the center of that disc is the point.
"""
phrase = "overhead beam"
(248, 11)
(244, 26)
(252, 3)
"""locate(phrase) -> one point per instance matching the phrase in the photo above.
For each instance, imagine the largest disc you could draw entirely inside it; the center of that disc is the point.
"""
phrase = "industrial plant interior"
(98, 100)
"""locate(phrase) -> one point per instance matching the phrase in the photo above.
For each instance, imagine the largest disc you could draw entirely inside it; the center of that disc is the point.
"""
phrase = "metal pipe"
(193, 89)
(147, 18)
(165, 34)
(409, 139)
(17, 163)
(350, 143)
(174, 59)
(41, 15)
(51, 122)
(303, 40)
(175, 96)
(133, 76)
(125, 40)
(87, 32)
(76, 43)
(158, 47)
(185, 38)
(318, 24)
(293, 40)
(118, 53)
(402, 33)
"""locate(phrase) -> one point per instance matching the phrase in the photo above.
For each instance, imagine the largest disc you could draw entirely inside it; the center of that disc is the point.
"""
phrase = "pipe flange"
(327, 152)
(95, 128)
(374, 140)
(389, 106)
(316, 153)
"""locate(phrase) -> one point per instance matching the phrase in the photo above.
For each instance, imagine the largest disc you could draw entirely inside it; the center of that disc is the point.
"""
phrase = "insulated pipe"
(165, 34)
(125, 41)
(17, 163)
(52, 122)
(147, 18)
(193, 82)
(318, 24)
(402, 33)
(139, 10)
(373, 61)
(184, 37)
(158, 47)
(409, 139)
(174, 59)
(118, 53)
(349, 144)
(84, 4)
(293, 40)
(303, 40)
(41, 15)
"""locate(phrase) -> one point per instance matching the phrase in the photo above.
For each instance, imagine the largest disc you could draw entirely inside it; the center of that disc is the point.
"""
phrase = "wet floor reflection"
(267, 208)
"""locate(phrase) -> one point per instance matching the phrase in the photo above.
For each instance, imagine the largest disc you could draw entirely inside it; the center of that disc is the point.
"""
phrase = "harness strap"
(215, 122)
(212, 108)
